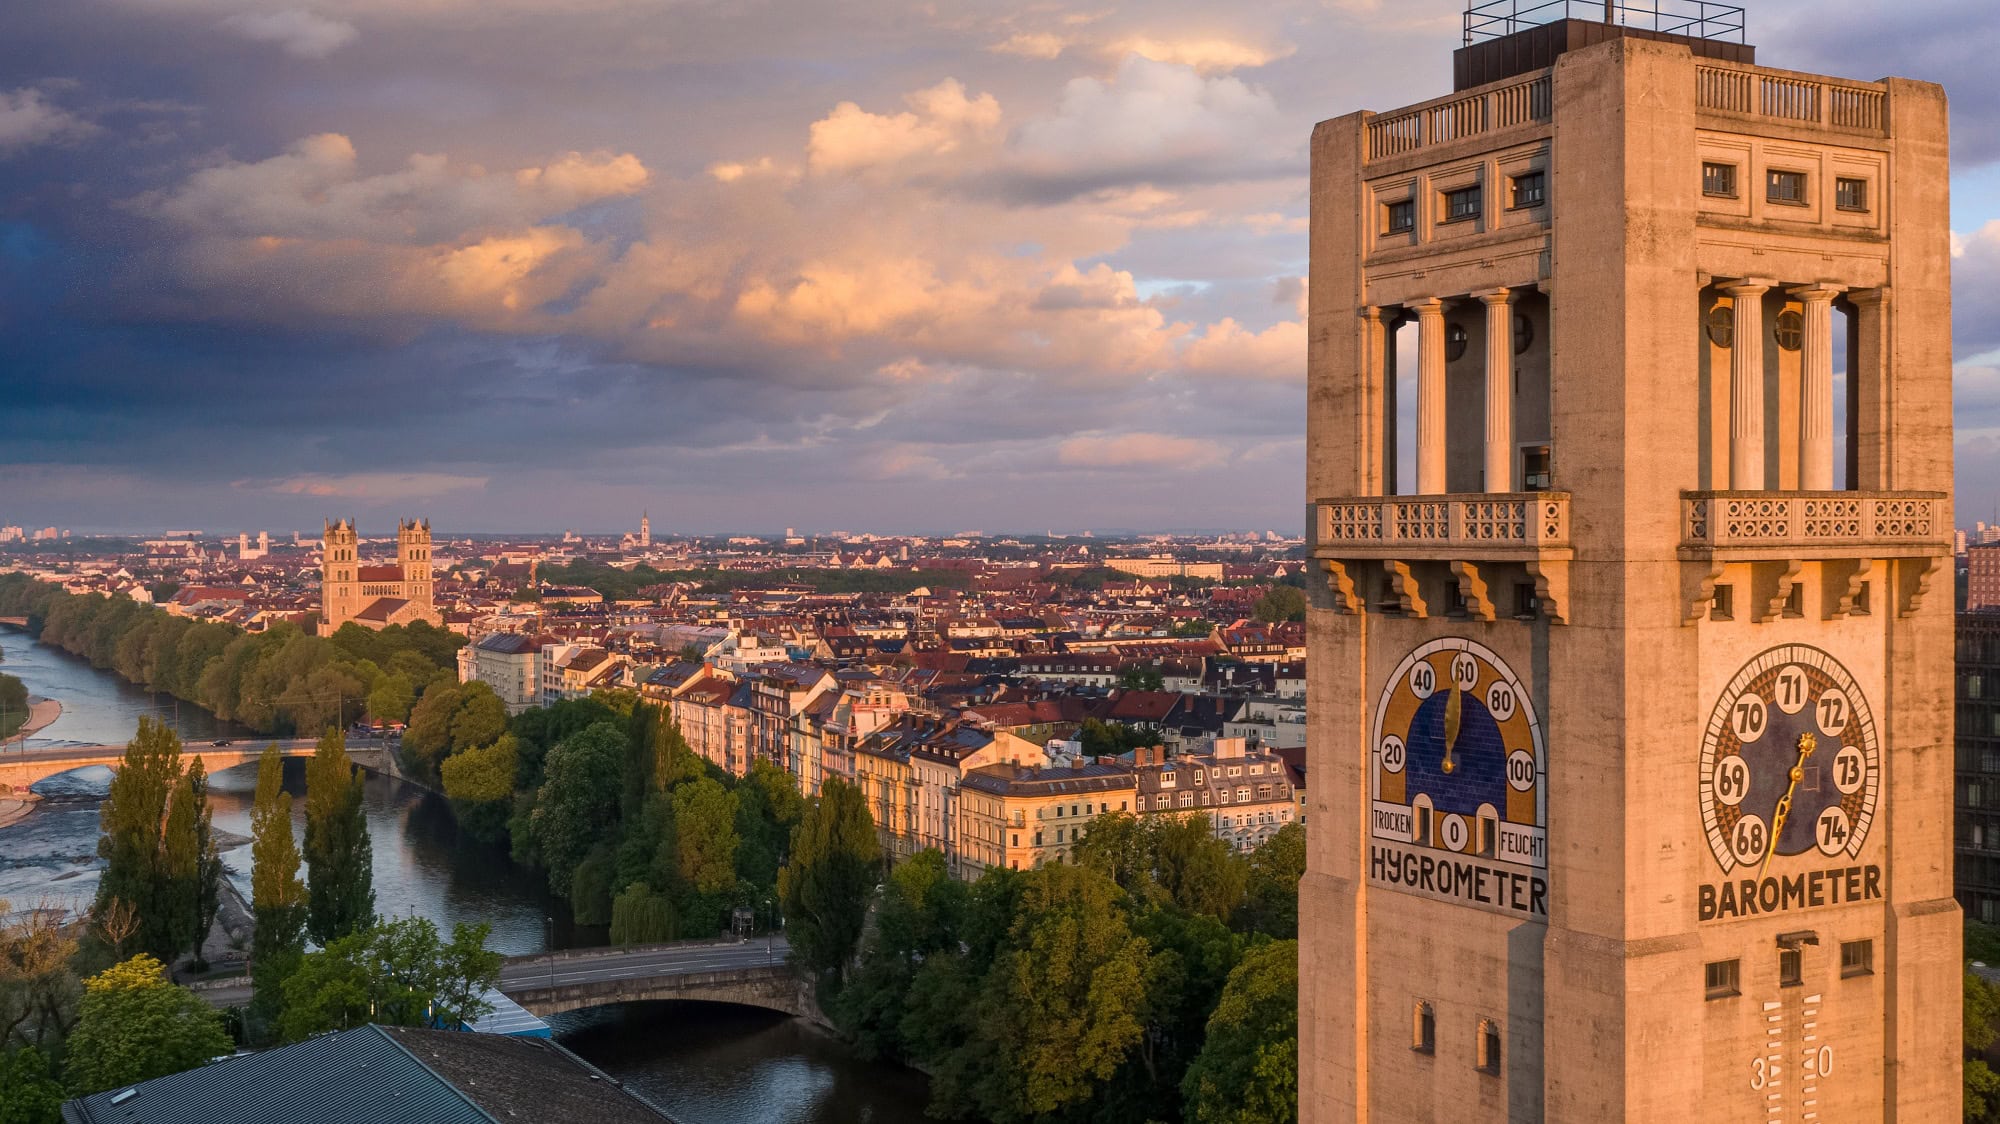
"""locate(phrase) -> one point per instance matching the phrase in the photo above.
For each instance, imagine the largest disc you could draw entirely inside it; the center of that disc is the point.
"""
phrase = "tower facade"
(645, 529)
(413, 557)
(339, 574)
(1630, 676)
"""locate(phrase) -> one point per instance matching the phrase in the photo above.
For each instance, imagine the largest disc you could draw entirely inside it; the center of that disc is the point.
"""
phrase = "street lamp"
(549, 923)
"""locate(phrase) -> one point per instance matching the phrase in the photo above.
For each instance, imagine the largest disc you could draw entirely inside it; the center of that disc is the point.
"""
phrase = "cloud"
(1032, 45)
(1204, 56)
(1975, 275)
(1133, 451)
(299, 32)
(27, 119)
(366, 486)
(939, 121)
(1153, 123)
(1227, 349)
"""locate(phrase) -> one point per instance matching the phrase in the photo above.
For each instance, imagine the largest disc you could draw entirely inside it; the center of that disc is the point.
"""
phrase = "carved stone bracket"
(1916, 575)
(1403, 585)
(1771, 587)
(1552, 587)
(1472, 588)
(1340, 583)
(1844, 581)
(1701, 595)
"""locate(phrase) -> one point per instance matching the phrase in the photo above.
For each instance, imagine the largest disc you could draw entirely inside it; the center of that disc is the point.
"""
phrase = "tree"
(1282, 603)
(397, 973)
(919, 919)
(480, 783)
(705, 836)
(1197, 871)
(133, 840)
(1136, 678)
(1248, 1069)
(641, 916)
(578, 803)
(39, 992)
(826, 884)
(1981, 1025)
(1275, 869)
(1064, 998)
(29, 1092)
(278, 900)
(136, 1026)
(391, 698)
(208, 859)
(340, 862)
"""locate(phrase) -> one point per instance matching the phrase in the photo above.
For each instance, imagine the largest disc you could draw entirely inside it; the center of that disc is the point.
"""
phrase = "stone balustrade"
(1484, 525)
(1815, 524)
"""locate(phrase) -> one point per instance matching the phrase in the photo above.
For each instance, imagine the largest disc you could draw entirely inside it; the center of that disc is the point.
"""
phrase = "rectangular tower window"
(1535, 468)
(1718, 179)
(1489, 1046)
(1723, 978)
(1857, 958)
(1850, 195)
(1722, 606)
(1401, 215)
(1785, 187)
(1462, 204)
(1423, 1029)
(1530, 189)
(1791, 967)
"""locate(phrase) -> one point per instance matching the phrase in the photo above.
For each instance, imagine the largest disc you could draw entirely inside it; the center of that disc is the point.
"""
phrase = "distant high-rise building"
(1628, 783)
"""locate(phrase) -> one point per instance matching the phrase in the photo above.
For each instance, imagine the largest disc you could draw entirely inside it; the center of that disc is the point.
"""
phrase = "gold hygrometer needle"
(1450, 728)
(1807, 743)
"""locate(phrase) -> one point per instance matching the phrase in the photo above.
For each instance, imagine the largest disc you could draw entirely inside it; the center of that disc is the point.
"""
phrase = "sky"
(526, 265)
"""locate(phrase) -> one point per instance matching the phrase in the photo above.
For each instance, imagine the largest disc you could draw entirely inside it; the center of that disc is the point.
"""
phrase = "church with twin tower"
(1630, 470)
(380, 595)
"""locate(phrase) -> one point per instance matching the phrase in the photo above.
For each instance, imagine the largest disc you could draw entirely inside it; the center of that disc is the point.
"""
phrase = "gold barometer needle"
(1807, 743)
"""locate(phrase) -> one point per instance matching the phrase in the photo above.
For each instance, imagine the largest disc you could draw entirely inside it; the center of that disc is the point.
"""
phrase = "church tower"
(645, 530)
(413, 557)
(340, 588)
(1630, 711)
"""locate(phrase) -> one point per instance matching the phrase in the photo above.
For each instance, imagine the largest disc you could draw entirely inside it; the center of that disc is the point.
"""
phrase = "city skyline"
(846, 265)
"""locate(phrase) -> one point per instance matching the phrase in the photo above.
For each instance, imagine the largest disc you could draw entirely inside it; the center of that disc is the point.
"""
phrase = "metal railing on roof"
(1701, 19)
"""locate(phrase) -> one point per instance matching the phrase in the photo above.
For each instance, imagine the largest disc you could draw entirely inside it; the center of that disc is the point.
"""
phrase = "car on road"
(222, 741)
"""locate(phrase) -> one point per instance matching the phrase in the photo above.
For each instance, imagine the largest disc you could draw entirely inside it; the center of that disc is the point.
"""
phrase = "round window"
(1524, 333)
(1454, 342)
(1721, 325)
(1790, 329)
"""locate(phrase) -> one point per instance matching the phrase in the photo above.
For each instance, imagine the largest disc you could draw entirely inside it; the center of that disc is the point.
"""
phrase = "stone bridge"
(751, 974)
(18, 771)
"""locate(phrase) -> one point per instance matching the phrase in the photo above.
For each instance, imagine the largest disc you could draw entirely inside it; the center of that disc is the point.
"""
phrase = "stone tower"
(1630, 699)
(340, 587)
(645, 530)
(413, 557)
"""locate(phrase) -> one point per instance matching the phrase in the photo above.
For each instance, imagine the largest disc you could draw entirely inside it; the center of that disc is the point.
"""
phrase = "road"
(593, 965)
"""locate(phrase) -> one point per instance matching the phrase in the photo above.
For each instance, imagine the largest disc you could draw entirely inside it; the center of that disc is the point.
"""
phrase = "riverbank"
(14, 809)
(41, 713)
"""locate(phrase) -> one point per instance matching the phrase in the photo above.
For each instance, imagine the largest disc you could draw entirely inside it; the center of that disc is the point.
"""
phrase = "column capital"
(1748, 286)
(1817, 292)
(1864, 297)
(1496, 296)
(1373, 313)
(1428, 306)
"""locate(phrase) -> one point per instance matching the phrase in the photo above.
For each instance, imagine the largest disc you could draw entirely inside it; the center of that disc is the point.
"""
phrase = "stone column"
(1378, 406)
(1816, 388)
(1430, 396)
(1871, 454)
(1499, 389)
(1746, 385)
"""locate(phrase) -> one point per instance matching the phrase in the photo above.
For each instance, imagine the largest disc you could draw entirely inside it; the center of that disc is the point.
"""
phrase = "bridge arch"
(772, 987)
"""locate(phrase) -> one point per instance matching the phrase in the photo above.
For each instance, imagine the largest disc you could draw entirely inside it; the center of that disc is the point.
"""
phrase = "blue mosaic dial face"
(1458, 757)
(1789, 764)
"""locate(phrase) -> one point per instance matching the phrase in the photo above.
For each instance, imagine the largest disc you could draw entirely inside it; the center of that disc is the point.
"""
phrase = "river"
(702, 1063)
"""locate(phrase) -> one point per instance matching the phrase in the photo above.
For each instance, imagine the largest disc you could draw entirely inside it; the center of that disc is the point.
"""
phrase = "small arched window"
(1423, 1029)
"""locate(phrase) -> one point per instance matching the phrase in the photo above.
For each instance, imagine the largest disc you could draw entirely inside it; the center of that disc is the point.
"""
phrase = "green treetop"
(339, 857)
(136, 1026)
(397, 973)
(1248, 1069)
(825, 885)
(277, 895)
(133, 843)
